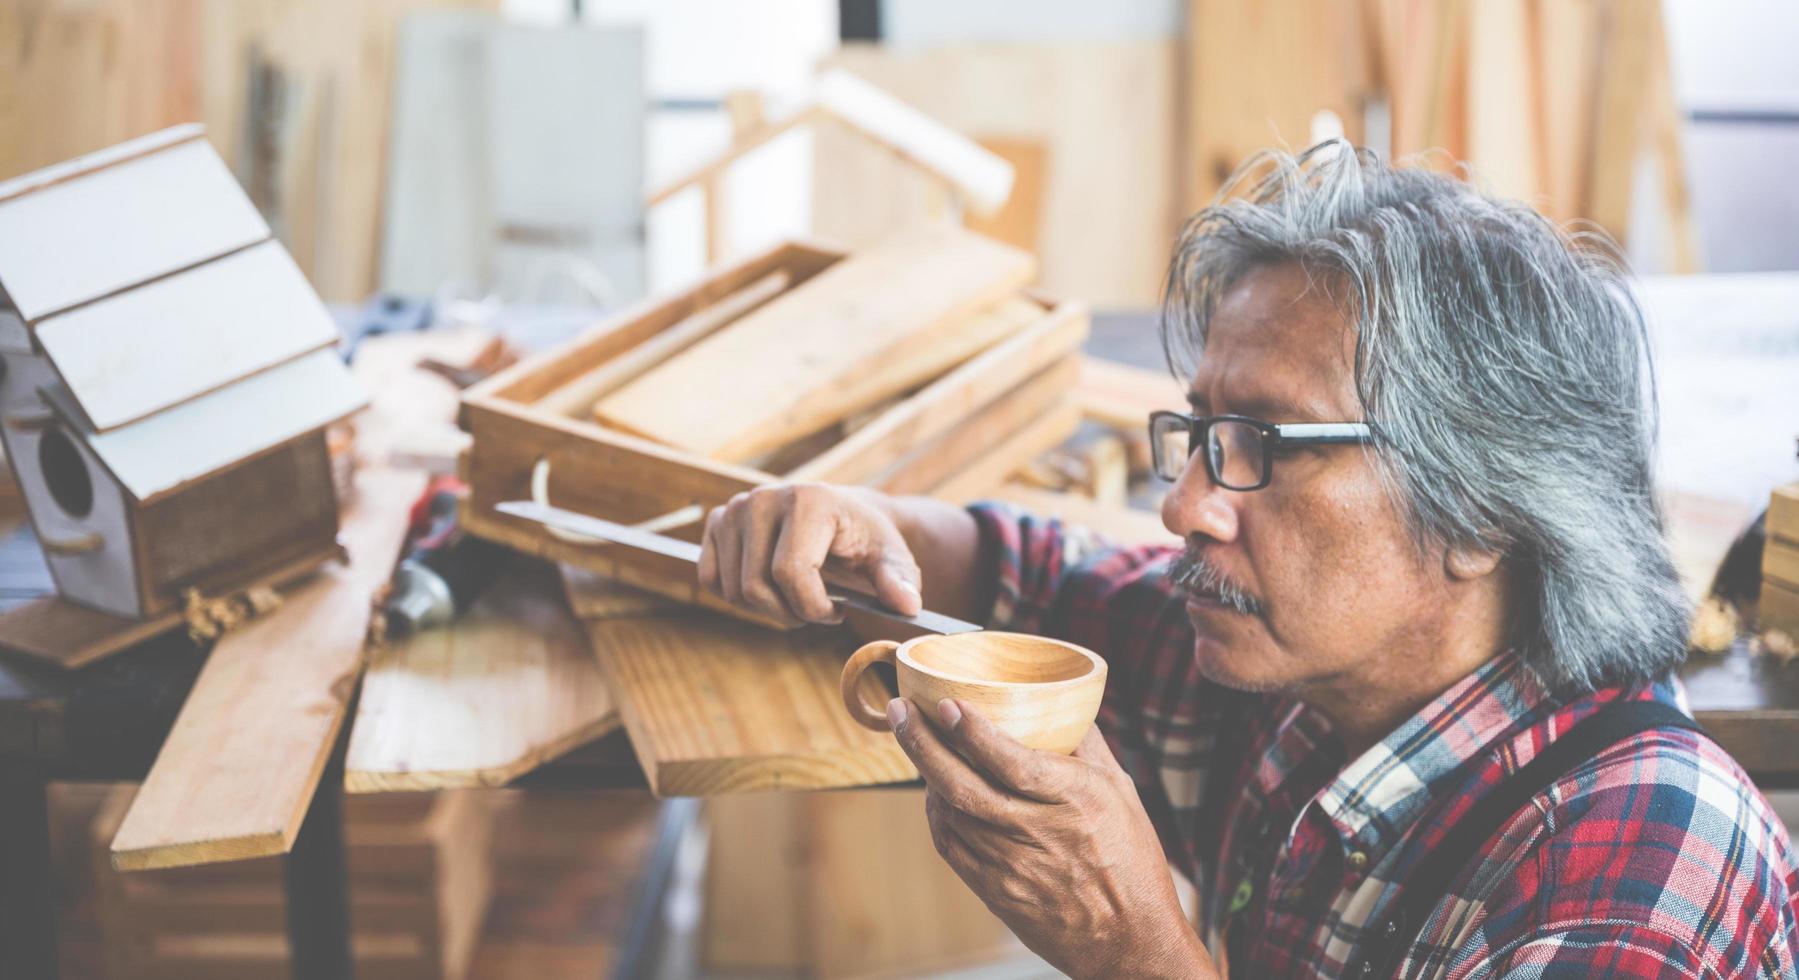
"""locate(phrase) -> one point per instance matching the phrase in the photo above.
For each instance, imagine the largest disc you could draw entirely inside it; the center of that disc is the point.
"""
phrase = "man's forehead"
(1277, 345)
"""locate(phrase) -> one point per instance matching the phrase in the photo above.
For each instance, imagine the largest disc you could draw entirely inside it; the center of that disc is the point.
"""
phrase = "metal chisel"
(662, 544)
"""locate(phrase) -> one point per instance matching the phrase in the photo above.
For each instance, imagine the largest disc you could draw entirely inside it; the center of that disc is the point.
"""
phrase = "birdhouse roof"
(207, 434)
(147, 278)
(153, 287)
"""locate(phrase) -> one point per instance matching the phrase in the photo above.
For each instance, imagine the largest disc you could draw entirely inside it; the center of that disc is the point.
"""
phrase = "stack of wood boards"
(418, 865)
(918, 364)
(1779, 607)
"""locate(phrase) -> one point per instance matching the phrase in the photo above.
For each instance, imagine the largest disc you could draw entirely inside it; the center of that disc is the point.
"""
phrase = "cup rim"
(1096, 665)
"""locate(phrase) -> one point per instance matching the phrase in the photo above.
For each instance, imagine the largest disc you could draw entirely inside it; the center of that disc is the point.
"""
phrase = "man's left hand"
(1059, 847)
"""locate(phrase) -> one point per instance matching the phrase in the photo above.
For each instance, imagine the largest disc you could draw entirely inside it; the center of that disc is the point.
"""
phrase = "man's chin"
(1240, 666)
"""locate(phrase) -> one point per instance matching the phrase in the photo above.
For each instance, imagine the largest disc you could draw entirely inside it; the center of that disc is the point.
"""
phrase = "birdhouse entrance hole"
(66, 473)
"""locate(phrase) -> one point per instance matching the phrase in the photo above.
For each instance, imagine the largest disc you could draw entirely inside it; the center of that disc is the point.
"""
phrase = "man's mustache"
(1199, 577)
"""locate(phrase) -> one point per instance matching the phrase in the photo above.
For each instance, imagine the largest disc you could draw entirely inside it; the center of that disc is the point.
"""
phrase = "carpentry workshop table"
(107, 722)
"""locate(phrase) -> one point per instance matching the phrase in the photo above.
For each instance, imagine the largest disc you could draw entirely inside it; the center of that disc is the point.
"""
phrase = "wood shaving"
(1780, 645)
(1714, 627)
(209, 619)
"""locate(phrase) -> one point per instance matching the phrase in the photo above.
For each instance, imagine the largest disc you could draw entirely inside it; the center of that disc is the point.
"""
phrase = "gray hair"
(1504, 366)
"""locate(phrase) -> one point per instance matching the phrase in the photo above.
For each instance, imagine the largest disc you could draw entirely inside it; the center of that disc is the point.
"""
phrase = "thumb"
(896, 584)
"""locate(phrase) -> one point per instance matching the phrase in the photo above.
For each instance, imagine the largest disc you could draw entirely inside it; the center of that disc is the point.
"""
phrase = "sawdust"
(208, 619)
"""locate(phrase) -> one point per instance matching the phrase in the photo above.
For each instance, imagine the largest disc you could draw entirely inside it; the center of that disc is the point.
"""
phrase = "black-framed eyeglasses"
(1239, 450)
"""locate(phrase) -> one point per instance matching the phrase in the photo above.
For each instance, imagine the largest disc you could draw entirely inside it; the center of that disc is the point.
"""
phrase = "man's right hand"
(765, 549)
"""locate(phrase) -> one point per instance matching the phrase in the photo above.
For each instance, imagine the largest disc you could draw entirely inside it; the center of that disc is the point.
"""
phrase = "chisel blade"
(662, 544)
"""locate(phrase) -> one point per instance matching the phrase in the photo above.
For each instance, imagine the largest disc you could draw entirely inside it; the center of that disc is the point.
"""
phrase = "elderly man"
(1400, 701)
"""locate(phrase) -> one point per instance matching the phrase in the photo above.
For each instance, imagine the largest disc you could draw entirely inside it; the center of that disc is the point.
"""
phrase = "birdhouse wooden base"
(988, 413)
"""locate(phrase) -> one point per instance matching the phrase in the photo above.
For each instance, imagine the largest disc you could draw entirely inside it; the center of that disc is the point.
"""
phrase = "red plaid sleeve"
(1162, 720)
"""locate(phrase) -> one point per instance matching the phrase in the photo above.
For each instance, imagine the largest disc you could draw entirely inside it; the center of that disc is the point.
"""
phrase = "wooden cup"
(1043, 692)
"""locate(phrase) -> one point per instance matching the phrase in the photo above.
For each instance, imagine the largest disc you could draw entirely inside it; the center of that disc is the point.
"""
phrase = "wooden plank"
(1783, 512)
(806, 360)
(1104, 112)
(1257, 72)
(969, 444)
(1020, 221)
(1779, 608)
(952, 343)
(81, 238)
(1036, 438)
(894, 908)
(181, 337)
(1505, 99)
(535, 377)
(717, 706)
(59, 632)
(981, 176)
(226, 427)
(1567, 36)
(1780, 562)
(950, 400)
(512, 686)
(1620, 116)
(756, 892)
(593, 471)
(576, 396)
(239, 766)
(1122, 396)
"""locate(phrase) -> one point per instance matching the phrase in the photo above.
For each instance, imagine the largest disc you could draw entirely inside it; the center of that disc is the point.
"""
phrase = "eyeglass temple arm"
(1324, 433)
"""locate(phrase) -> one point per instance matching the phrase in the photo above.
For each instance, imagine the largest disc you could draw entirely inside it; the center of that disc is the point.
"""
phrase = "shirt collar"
(1384, 790)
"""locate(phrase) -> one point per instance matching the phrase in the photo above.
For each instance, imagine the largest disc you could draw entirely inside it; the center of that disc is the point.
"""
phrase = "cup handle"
(864, 713)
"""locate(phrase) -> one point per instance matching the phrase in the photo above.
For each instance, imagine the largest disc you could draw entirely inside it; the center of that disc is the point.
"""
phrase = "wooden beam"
(511, 687)
(239, 767)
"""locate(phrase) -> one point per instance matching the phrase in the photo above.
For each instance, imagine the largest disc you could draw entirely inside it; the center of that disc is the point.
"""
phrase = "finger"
(945, 837)
(730, 549)
(765, 518)
(800, 552)
(882, 556)
(980, 838)
(707, 569)
(945, 772)
(896, 584)
(1094, 749)
(1037, 775)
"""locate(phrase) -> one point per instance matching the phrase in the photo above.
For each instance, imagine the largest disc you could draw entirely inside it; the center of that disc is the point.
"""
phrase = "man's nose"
(1196, 505)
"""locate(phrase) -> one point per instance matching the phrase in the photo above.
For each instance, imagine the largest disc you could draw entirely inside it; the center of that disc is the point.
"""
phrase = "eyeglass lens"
(1234, 450)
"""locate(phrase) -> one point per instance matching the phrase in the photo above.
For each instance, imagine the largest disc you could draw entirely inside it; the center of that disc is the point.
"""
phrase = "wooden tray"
(920, 441)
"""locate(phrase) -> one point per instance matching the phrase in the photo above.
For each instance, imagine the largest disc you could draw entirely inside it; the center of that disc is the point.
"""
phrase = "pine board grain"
(512, 686)
(718, 706)
(237, 771)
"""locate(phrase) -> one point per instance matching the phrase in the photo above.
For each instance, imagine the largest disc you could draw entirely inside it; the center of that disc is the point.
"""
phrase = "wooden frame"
(917, 441)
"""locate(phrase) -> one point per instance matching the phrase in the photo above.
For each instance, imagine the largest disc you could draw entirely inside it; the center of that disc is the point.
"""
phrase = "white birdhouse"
(166, 374)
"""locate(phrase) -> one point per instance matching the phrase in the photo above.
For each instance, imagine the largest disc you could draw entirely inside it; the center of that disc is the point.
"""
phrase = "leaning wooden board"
(237, 771)
(512, 686)
(821, 351)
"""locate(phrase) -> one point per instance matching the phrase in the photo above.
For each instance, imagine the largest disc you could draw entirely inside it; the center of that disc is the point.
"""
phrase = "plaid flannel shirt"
(1656, 859)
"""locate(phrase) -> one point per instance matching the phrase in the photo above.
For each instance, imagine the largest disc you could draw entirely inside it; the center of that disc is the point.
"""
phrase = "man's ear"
(1465, 564)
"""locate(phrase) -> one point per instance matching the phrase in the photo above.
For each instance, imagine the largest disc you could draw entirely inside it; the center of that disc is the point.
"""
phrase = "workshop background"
(506, 172)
